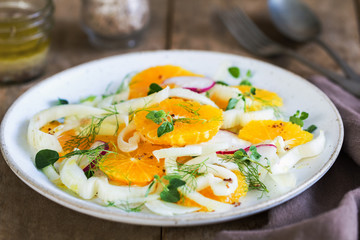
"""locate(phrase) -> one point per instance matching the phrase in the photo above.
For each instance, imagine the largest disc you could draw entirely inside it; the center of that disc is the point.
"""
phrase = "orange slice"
(220, 101)
(240, 191)
(261, 130)
(233, 198)
(199, 123)
(261, 99)
(134, 168)
(140, 83)
(50, 127)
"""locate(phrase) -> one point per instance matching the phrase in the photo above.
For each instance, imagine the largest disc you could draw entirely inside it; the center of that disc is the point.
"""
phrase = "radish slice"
(260, 145)
(245, 149)
(102, 153)
(195, 84)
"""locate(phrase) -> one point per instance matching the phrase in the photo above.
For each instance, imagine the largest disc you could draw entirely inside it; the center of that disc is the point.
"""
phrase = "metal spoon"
(296, 21)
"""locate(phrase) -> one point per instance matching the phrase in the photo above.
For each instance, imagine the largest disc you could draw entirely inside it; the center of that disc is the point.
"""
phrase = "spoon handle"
(349, 72)
(351, 86)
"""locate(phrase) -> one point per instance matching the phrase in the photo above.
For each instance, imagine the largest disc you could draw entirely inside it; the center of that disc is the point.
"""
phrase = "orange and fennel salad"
(171, 141)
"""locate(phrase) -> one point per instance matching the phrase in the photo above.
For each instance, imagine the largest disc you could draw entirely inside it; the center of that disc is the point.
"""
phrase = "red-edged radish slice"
(195, 84)
(245, 149)
(102, 153)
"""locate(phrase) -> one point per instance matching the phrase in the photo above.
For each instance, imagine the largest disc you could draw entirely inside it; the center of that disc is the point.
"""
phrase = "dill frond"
(126, 206)
(249, 165)
(189, 173)
(87, 135)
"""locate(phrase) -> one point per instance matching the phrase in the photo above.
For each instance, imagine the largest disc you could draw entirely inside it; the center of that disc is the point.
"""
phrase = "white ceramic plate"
(94, 77)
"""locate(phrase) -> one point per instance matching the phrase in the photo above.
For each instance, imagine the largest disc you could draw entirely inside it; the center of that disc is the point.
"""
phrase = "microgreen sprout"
(298, 118)
(48, 157)
(311, 128)
(90, 98)
(167, 120)
(153, 88)
(62, 101)
(163, 118)
(245, 82)
(232, 103)
(170, 191)
(234, 71)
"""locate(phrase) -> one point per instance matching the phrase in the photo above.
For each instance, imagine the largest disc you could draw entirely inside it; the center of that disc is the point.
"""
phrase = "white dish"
(94, 77)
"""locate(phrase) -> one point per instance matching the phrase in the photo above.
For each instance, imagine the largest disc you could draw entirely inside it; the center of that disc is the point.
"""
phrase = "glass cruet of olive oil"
(24, 38)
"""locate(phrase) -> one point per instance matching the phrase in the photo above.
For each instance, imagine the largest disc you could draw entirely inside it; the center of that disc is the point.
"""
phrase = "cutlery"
(255, 41)
(296, 21)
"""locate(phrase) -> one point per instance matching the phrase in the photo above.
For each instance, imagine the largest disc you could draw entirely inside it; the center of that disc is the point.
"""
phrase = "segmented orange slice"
(240, 191)
(140, 83)
(193, 123)
(261, 130)
(134, 168)
(262, 98)
(233, 198)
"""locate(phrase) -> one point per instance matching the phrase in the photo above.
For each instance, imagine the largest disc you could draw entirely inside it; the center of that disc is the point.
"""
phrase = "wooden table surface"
(175, 24)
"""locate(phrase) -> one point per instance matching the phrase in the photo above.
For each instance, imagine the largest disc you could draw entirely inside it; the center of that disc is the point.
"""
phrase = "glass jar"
(24, 38)
(115, 23)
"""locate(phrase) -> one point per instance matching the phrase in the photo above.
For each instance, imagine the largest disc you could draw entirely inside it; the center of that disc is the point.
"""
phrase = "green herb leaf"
(249, 73)
(222, 83)
(165, 127)
(311, 128)
(298, 118)
(45, 158)
(154, 87)
(245, 82)
(232, 103)
(90, 98)
(156, 116)
(89, 174)
(304, 115)
(234, 71)
(253, 91)
(254, 153)
(176, 182)
(62, 101)
(240, 153)
(170, 193)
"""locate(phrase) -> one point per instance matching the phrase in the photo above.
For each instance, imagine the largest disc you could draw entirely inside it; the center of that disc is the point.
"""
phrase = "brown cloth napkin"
(329, 209)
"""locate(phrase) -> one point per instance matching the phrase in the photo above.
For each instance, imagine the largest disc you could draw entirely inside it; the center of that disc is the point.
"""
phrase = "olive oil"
(24, 40)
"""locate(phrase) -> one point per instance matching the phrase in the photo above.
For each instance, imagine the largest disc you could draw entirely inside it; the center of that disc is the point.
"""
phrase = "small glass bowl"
(115, 23)
(24, 38)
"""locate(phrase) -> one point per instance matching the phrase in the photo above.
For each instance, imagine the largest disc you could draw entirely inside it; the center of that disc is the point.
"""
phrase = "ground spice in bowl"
(113, 23)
